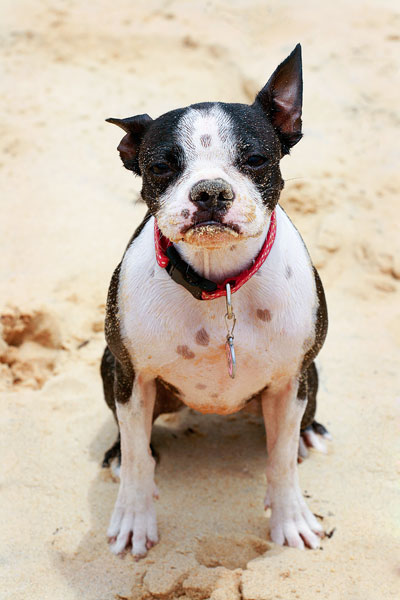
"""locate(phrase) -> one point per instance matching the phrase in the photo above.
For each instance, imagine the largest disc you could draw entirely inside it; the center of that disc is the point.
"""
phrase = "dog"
(215, 301)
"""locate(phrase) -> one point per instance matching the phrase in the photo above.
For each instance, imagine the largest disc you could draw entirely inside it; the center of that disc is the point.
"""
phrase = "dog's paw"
(133, 524)
(313, 436)
(292, 523)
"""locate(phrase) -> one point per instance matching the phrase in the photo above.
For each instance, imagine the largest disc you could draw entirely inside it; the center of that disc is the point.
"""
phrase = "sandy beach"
(68, 210)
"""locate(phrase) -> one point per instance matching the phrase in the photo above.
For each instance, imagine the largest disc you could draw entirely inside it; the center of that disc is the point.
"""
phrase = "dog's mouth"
(214, 226)
(211, 234)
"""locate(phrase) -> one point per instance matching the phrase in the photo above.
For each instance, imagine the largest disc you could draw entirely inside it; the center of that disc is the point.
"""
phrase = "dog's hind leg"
(311, 431)
(107, 370)
(167, 401)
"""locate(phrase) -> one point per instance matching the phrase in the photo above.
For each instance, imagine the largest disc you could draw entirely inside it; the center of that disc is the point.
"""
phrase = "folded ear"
(281, 98)
(128, 148)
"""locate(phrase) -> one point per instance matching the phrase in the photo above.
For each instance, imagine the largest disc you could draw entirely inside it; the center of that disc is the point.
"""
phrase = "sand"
(68, 209)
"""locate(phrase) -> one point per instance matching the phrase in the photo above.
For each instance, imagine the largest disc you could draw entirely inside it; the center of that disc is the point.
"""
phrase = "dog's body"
(212, 180)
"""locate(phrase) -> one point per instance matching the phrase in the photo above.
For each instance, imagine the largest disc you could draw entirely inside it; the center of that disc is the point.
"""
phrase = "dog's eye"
(256, 160)
(161, 169)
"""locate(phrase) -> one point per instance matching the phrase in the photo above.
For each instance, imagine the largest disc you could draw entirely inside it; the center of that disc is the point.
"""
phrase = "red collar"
(201, 288)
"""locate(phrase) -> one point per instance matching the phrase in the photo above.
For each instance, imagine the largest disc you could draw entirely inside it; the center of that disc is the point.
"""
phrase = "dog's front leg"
(134, 517)
(291, 521)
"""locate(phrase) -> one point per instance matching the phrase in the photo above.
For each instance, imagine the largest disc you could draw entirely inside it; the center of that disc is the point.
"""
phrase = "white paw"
(312, 439)
(303, 452)
(292, 523)
(133, 521)
(116, 469)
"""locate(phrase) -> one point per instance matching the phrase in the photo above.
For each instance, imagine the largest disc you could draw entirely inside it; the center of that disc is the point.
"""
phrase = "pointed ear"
(281, 98)
(128, 148)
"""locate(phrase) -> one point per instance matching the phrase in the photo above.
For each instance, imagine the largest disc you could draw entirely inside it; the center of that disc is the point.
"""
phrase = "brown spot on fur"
(200, 386)
(185, 213)
(264, 315)
(202, 338)
(205, 140)
(288, 272)
(214, 395)
(185, 352)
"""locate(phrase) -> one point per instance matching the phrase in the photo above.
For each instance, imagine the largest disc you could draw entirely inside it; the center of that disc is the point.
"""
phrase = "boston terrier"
(215, 301)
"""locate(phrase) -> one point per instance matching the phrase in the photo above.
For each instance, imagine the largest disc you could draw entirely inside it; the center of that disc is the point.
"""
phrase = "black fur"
(282, 98)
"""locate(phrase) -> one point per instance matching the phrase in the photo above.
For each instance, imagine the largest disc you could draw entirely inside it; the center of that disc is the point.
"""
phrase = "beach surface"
(68, 210)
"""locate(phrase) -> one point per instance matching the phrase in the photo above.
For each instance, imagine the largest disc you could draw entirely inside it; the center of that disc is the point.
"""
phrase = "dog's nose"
(212, 194)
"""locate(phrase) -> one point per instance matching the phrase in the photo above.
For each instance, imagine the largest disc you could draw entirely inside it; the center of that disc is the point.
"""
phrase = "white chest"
(182, 340)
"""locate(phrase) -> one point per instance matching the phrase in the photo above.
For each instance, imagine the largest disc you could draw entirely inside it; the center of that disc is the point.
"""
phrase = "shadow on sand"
(211, 480)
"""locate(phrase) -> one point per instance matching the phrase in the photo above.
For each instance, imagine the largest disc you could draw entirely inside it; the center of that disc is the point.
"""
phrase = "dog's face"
(211, 171)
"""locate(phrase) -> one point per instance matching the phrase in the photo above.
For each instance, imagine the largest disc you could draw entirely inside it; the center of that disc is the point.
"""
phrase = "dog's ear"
(281, 98)
(128, 148)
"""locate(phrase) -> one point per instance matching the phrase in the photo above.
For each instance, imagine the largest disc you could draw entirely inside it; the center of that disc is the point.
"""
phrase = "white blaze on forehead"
(206, 135)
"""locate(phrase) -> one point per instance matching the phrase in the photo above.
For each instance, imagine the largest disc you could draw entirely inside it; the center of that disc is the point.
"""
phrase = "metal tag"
(230, 356)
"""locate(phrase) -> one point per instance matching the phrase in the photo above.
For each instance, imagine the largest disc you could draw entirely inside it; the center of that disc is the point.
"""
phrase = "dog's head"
(211, 171)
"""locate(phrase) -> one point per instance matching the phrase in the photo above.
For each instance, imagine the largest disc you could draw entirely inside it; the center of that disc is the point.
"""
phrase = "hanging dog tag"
(230, 322)
(230, 356)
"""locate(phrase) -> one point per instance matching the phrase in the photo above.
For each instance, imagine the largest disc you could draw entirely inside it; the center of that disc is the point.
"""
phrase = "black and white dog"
(216, 274)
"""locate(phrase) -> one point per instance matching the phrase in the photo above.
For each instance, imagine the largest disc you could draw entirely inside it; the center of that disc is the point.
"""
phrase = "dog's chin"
(211, 235)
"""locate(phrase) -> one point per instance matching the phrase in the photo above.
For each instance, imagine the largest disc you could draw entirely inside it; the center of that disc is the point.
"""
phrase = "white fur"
(220, 263)
(291, 520)
(314, 440)
(134, 513)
